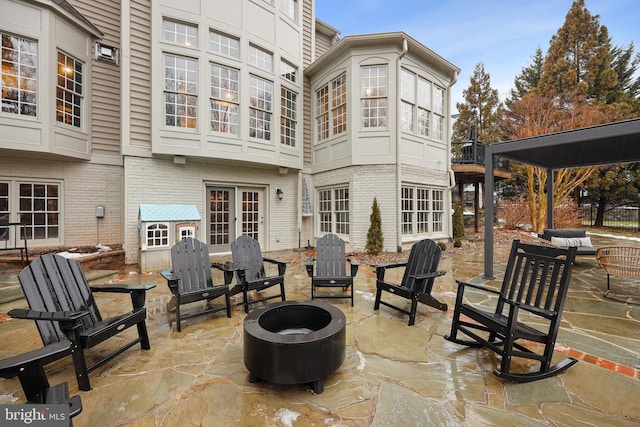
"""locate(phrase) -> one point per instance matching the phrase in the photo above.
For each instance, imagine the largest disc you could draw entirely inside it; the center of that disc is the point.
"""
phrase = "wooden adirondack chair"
(535, 284)
(191, 280)
(62, 304)
(250, 271)
(421, 270)
(29, 368)
(331, 268)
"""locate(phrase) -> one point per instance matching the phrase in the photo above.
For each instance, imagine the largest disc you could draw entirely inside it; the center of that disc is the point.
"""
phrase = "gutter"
(405, 49)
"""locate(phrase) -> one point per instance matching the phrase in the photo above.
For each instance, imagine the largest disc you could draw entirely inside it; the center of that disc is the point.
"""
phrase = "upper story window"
(422, 106)
(260, 108)
(19, 75)
(69, 90)
(374, 96)
(288, 117)
(260, 58)
(180, 91)
(331, 108)
(289, 8)
(224, 99)
(288, 71)
(183, 34)
(224, 45)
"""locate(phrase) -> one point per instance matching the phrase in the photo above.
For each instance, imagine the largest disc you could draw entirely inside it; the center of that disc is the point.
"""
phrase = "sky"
(503, 35)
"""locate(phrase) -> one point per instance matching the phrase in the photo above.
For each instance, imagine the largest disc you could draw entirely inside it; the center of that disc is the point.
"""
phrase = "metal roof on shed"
(153, 212)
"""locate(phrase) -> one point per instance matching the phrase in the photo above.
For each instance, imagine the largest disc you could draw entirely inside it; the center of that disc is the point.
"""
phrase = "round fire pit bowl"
(294, 342)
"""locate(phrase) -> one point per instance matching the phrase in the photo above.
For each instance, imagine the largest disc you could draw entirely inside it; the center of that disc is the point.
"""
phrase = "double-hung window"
(288, 117)
(422, 210)
(438, 113)
(331, 108)
(69, 93)
(19, 81)
(260, 108)
(333, 214)
(374, 96)
(224, 99)
(408, 100)
(35, 204)
(180, 91)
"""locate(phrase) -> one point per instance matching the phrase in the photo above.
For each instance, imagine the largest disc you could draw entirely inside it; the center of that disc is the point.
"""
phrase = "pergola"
(613, 143)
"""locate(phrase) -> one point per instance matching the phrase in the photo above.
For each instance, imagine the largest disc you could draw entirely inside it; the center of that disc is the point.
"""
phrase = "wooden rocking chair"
(331, 268)
(421, 270)
(62, 304)
(249, 265)
(190, 279)
(528, 308)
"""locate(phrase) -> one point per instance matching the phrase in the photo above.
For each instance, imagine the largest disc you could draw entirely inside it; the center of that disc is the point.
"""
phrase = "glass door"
(221, 221)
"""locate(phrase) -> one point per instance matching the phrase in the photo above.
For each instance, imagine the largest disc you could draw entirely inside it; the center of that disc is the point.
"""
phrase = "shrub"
(375, 240)
(443, 246)
(458, 222)
(514, 212)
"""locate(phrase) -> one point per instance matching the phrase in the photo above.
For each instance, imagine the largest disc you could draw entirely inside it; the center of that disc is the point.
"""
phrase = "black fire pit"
(294, 342)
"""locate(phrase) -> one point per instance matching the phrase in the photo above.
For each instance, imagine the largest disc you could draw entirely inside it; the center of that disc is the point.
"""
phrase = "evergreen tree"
(625, 64)
(480, 109)
(579, 57)
(528, 78)
(375, 239)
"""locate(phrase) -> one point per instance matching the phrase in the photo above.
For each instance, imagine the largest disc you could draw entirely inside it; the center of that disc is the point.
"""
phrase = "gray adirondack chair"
(190, 279)
(29, 368)
(331, 271)
(421, 270)
(535, 285)
(62, 304)
(250, 271)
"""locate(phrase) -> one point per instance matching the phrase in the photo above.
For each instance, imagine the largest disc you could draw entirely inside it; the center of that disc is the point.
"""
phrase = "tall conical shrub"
(375, 240)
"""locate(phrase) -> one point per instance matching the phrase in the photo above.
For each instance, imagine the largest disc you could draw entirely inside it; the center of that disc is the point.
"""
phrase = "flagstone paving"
(393, 374)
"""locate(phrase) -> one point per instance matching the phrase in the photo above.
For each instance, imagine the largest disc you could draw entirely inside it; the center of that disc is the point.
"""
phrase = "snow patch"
(286, 416)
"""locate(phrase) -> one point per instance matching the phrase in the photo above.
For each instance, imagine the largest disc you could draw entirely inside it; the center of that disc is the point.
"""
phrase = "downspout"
(452, 175)
(405, 49)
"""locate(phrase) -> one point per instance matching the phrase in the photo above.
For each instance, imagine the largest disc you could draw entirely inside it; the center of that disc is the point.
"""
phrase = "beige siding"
(307, 41)
(105, 108)
(323, 43)
(140, 89)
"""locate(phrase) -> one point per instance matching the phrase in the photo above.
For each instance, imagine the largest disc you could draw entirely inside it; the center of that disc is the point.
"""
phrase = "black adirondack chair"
(528, 308)
(29, 368)
(250, 271)
(421, 270)
(191, 280)
(62, 304)
(331, 270)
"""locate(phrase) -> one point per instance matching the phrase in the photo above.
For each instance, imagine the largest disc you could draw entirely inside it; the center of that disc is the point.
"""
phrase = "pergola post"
(488, 213)
(549, 198)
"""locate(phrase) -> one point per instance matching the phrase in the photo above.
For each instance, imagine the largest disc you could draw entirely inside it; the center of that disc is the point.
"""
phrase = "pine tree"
(375, 239)
(528, 78)
(480, 109)
(579, 57)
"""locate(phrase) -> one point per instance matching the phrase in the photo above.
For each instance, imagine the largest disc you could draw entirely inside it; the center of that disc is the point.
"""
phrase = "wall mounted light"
(279, 193)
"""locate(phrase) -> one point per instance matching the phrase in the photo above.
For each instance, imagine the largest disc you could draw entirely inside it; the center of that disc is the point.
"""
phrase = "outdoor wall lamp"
(279, 193)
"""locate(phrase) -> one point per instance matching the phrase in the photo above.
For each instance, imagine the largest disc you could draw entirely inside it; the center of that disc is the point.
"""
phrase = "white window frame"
(180, 91)
(223, 44)
(224, 104)
(160, 235)
(333, 210)
(69, 90)
(260, 58)
(288, 71)
(260, 108)
(19, 83)
(40, 211)
(331, 108)
(374, 92)
(422, 210)
(289, 8)
(180, 33)
(288, 117)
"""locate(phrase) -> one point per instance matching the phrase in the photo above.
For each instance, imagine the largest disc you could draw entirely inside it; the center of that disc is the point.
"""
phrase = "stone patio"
(392, 375)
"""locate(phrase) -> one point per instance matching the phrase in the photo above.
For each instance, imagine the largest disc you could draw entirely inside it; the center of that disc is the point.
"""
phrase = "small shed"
(161, 226)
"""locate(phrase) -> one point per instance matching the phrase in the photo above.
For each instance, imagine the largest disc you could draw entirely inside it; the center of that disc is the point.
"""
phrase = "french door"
(233, 211)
